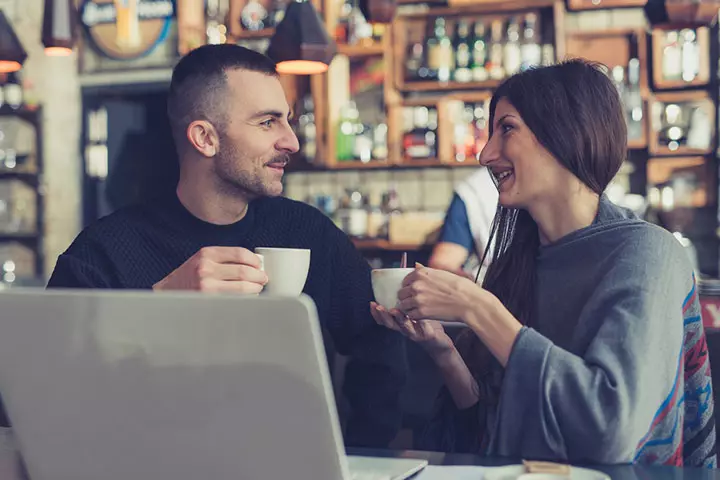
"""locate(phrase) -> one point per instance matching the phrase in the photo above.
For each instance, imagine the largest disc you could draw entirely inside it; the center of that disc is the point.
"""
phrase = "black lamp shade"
(378, 11)
(301, 45)
(12, 53)
(58, 33)
(683, 13)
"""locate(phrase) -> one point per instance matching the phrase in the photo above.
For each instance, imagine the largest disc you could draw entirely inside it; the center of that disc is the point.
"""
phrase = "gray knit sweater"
(615, 369)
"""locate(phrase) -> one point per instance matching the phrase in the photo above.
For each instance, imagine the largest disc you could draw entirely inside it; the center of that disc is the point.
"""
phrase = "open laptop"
(171, 386)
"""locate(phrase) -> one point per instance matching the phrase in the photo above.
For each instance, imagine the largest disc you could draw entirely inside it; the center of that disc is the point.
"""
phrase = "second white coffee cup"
(386, 283)
(286, 268)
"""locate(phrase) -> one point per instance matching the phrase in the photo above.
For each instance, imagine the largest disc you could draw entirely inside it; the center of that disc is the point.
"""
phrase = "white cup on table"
(286, 268)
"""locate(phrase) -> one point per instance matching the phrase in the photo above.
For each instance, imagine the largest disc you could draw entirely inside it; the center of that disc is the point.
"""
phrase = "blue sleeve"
(456, 228)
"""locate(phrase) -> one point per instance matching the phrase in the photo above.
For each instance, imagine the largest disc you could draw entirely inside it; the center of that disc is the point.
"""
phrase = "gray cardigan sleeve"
(596, 405)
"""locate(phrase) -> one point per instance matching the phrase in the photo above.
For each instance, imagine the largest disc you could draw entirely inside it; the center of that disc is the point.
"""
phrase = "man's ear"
(203, 137)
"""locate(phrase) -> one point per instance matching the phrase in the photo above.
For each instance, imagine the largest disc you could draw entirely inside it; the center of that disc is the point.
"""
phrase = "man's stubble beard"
(232, 179)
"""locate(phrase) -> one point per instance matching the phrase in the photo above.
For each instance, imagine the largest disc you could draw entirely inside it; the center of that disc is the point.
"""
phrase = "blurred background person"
(466, 231)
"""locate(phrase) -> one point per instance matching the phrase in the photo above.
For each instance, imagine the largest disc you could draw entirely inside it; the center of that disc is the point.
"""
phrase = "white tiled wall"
(428, 189)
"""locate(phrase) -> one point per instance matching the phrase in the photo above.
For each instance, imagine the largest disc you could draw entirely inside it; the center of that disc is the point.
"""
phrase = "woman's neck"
(561, 216)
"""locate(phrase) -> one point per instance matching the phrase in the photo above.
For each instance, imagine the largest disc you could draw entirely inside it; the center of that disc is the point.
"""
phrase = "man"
(467, 227)
(230, 123)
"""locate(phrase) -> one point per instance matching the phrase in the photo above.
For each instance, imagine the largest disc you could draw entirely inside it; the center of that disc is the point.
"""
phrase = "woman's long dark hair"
(575, 112)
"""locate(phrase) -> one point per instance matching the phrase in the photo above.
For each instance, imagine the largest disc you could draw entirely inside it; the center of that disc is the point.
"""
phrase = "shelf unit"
(33, 178)
(612, 47)
(330, 90)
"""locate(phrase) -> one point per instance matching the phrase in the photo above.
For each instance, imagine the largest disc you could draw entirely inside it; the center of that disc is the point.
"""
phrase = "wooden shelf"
(598, 4)
(26, 176)
(462, 7)
(473, 163)
(703, 76)
(447, 86)
(28, 114)
(358, 51)
(379, 244)
(19, 237)
(253, 34)
(697, 97)
(663, 170)
(612, 47)
(358, 165)
(422, 162)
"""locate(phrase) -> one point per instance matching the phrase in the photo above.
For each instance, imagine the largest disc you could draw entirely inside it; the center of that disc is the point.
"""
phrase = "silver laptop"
(140, 385)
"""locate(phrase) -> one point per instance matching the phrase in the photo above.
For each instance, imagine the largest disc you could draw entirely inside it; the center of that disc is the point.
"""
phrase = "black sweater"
(137, 246)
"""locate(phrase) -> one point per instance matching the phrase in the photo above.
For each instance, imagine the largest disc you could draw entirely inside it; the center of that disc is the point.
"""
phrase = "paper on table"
(456, 472)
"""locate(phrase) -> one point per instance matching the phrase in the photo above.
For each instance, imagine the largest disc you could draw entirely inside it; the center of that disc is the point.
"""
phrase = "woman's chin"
(508, 200)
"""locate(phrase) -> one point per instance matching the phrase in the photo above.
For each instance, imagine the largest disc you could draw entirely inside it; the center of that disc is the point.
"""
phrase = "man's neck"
(202, 198)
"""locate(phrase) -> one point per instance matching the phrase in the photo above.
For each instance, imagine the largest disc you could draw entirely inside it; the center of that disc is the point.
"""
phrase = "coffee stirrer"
(403, 261)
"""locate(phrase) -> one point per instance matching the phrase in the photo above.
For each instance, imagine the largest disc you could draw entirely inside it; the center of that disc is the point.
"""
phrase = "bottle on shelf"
(216, 30)
(390, 207)
(548, 54)
(480, 114)
(463, 52)
(359, 30)
(530, 49)
(690, 55)
(464, 130)
(346, 132)
(254, 16)
(351, 215)
(13, 93)
(415, 69)
(307, 130)
(673, 133)
(494, 66)
(420, 142)
(440, 51)
(672, 65)
(343, 21)
(618, 77)
(512, 58)
(357, 214)
(699, 136)
(375, 215)
(380, 146)
(479, 52)
(633, 101)
(363, 143)
(277, 12)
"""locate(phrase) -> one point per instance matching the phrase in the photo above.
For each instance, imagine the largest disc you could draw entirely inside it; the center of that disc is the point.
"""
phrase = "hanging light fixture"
(58, 27)
(12, 53)
(301, 45)
(378, 11)
(682, 12)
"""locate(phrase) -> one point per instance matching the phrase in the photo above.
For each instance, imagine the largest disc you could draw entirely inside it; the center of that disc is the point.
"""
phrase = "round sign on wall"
(127, 29)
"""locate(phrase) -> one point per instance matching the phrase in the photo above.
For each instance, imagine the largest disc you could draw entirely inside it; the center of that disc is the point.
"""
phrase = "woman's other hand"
(429, 334)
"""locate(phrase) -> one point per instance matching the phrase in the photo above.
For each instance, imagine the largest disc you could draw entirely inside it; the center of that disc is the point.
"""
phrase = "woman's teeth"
(502, 176)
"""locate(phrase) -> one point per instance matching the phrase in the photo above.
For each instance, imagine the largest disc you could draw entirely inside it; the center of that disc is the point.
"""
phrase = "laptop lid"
(126, 384)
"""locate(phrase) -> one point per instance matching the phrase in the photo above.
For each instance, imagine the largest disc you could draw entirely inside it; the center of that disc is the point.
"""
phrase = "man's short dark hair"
(199, 81)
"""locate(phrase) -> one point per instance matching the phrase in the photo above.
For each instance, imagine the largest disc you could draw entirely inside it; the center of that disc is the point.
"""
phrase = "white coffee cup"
(386, 283)
(286, 268)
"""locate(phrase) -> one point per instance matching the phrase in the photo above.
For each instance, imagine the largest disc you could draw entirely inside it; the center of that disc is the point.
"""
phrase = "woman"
(585, 343)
